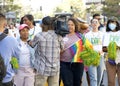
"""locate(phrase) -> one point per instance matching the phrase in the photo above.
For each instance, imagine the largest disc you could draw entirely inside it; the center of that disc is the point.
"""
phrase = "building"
(88, 2)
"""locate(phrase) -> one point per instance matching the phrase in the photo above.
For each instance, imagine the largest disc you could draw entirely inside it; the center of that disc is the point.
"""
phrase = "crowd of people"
(44, 56)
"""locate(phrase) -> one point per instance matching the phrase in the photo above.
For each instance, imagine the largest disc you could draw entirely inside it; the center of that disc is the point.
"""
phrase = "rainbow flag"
(75, 49)
(88, 43)
(78, 47)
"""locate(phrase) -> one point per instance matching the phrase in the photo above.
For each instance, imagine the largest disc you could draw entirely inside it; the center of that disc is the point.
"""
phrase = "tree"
(111, 8)
(8, 5)
(93, 9)
(78, 8)
(75, 6)
(58, 9)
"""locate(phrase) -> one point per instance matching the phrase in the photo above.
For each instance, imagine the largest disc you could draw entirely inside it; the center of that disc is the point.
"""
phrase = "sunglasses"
(94, 22)
(98, 18)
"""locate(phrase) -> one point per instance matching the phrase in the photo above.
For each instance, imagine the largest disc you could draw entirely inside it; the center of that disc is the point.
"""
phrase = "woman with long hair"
(111, 46)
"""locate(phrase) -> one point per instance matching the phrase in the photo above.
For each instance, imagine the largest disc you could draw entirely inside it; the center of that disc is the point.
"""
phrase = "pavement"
(105, 80)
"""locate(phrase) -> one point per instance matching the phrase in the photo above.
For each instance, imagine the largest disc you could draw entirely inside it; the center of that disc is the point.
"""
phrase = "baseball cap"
(22, 26)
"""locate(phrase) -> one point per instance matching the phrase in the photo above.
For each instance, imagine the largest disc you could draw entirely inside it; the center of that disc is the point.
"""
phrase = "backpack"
(2, 65)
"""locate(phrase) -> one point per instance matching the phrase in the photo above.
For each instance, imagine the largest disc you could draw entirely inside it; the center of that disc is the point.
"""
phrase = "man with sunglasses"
(97, 16)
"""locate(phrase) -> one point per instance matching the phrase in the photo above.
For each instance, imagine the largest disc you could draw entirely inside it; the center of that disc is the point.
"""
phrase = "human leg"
(53, 80)
(92, 71)
(29, 81)
(88, 78)
(66, 73)
(19, 80)
(77, 69)
(40, 80)
(100, 70)
(111, 73)
(118, 73)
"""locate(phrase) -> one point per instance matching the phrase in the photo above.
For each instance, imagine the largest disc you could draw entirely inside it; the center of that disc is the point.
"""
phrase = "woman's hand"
(29, 42)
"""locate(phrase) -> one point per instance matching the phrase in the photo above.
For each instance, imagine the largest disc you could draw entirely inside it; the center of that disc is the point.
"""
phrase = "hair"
(21, 20)
(6, 31)
(30, 18)
(96, 15)
(2, 18)
(112, 20)
(74, 20)
(47, 23)
(83, 26)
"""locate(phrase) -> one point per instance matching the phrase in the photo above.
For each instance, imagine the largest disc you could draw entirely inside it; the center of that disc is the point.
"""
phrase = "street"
(104, 80)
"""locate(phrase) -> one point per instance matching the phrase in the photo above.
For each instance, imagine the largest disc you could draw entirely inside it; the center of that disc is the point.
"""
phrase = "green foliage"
(92, 9)
(78, 8)
(75, 6)
(112, 50)
(111, 8)
(89, 56)
(10, 6)
(58, 10)
(14, 63)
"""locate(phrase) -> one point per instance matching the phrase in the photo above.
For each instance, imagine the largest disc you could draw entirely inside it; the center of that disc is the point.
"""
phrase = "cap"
(113, 18)
(22, 26)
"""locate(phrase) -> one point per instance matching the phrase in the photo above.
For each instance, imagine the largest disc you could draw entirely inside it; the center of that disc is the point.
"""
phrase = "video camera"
(60, 23)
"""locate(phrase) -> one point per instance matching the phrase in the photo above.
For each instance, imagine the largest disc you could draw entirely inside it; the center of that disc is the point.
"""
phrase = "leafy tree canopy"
(111, 8)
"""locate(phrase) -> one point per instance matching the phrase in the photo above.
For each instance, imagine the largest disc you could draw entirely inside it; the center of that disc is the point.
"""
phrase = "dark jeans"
(7, 84)
(71, 73)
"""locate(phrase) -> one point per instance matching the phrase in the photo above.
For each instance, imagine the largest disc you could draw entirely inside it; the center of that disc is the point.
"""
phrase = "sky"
(47, 5)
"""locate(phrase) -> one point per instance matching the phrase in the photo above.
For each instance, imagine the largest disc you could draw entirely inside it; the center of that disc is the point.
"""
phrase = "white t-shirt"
(96, 38)
(24, 59)
(111, 36)
(34, 31)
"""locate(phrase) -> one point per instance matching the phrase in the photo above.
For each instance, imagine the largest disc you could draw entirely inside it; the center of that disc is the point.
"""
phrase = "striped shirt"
(47, 53)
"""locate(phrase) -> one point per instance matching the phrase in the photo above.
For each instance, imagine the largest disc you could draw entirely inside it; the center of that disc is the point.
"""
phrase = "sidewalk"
(105, 81)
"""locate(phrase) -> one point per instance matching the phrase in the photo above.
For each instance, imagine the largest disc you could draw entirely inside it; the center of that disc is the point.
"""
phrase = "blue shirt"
(9, 48)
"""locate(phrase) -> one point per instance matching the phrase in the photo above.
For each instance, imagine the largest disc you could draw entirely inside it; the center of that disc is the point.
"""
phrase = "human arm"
(16, 49)
(33, 42)
(104, 48)
(61, 42)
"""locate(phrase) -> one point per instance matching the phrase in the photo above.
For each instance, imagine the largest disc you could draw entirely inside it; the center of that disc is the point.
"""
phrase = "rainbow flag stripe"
(75, 49)
(88, 43)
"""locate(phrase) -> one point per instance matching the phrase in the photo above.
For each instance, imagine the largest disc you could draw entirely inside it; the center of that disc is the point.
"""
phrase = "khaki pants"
(41, 80)
(24, 77)
(112, 70)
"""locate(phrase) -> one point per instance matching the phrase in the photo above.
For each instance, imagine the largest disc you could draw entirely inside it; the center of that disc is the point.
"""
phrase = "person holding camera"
(47, 54)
